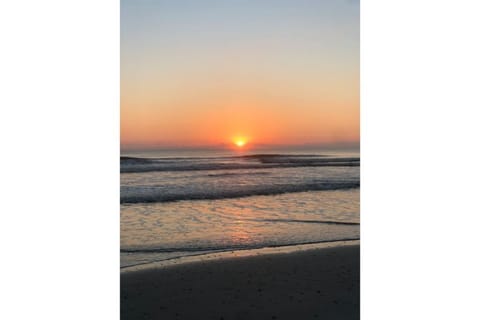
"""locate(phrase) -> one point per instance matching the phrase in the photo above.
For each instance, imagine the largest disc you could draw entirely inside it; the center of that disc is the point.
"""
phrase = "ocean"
(177, 203)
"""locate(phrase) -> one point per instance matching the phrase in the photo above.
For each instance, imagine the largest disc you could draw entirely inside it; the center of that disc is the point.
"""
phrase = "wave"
(308, 221)
(225, 247)
(141, 194)
(254, 161)
(186, 254)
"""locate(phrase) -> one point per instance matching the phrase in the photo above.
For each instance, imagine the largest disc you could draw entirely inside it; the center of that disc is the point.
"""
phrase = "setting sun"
(240, 143)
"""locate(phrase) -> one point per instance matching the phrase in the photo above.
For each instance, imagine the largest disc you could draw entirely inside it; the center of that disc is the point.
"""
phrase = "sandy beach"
(318, 283)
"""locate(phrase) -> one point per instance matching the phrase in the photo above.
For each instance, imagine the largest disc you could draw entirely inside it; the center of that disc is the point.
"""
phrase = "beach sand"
(319, 283)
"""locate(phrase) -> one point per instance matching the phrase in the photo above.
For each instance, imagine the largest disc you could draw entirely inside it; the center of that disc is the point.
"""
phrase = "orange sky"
(194, 78)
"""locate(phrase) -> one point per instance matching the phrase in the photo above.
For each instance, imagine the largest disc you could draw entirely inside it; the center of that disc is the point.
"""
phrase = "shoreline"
(313, 281)
(237, 253)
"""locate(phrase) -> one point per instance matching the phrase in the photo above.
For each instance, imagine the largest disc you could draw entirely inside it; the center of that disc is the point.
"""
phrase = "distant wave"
(133, 194)
(228, 174)
(254, 161)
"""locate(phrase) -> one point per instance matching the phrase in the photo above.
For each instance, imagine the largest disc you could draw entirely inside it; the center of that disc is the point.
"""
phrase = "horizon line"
(340, 144)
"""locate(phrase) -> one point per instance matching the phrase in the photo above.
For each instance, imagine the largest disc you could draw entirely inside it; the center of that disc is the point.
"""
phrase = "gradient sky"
(202, 72)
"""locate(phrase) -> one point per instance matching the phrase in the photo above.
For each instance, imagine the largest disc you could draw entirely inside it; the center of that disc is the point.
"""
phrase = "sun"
(240, 142)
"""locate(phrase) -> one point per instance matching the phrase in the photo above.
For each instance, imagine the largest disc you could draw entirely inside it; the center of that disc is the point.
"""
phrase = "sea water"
(182, 202)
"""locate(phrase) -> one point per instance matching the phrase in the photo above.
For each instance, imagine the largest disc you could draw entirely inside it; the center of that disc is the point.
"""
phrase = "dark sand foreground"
(315, 284)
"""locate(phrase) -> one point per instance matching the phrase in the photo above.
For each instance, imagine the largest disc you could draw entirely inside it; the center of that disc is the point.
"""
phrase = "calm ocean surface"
(179, 203)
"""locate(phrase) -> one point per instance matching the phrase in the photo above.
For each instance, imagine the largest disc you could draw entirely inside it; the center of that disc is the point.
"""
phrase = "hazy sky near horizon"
(203, 72)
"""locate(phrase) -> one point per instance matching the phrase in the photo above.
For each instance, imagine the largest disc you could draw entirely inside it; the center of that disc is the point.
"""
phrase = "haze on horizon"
(204, 73)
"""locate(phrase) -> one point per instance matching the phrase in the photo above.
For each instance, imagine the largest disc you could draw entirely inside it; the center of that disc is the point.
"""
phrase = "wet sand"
(322, 283)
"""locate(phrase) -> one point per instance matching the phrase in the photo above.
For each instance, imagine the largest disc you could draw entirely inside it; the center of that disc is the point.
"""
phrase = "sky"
(212, 72)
